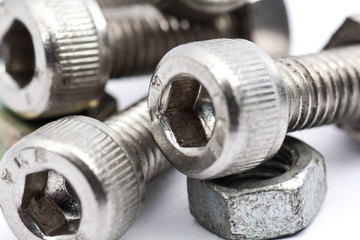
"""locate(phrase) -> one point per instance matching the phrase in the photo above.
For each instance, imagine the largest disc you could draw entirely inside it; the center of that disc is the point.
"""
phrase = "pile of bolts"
(218, 110)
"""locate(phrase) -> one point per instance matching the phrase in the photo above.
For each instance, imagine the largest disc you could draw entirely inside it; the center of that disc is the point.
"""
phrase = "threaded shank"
(134, 127)
(322, 88)
(140, 35)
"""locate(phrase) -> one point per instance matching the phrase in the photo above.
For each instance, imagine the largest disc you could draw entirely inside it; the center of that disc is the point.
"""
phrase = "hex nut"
(278, 198)
(12, 128)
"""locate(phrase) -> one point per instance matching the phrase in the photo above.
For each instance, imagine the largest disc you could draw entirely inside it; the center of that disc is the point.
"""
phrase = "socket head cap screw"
(276, 199)
(208, 105)
(54, 56)
(60, 185)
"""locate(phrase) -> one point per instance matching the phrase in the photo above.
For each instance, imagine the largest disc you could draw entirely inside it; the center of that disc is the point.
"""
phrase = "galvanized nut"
(223, 106)
(276, 199)
(56, 55)
(12, 128)
(78, 178)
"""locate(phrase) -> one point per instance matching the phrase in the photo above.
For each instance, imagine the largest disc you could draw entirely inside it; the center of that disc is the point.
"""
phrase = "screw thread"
(322, 88)
(140, 35)
(134, 127)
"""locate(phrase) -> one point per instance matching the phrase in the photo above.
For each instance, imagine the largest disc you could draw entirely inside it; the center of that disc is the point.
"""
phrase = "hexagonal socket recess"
(56, 55)
(276, 199)
(12, 128)
(78, 178)
(223, 106)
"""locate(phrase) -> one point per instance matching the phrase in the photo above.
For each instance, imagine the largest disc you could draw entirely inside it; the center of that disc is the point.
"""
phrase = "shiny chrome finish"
(278, 198)
(54, 59)
(12, 128)
(252, 99)
(56, 55)
(78, 178)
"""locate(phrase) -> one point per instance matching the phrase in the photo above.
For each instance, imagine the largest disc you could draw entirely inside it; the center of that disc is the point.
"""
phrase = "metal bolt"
(78, 178)
(224, 106)
(276, 199)
(58, 54)
(207, 7)
(12, 128)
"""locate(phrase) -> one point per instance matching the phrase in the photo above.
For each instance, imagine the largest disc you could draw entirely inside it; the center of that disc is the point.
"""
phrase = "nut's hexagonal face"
(50, 204)
(278, 198)
(348, 33)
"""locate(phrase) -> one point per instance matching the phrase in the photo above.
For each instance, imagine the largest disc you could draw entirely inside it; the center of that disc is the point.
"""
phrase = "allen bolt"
(78, 178)
(223, 106)
(56, 55)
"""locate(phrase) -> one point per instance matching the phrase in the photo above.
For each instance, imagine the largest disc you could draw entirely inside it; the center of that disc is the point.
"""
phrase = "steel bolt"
(58, 54)
(78, 178)
(223, 106)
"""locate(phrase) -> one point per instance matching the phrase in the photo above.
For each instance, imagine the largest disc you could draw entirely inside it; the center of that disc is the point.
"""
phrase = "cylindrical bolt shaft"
(322, 88)
(140, 35)
(133, 126)
(216, 121)
(79, 177)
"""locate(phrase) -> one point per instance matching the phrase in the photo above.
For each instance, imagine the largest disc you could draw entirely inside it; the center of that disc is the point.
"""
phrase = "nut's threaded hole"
(277, 166)
(190, 112)
(18, 54)
(50, 206)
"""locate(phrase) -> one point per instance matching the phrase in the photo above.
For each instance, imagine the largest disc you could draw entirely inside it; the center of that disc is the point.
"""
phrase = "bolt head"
(209, 102)
(66, 180)
(40, 56)
(276, 199)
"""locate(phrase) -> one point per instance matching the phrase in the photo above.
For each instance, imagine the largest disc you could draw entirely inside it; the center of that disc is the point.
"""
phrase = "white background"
(166, 215)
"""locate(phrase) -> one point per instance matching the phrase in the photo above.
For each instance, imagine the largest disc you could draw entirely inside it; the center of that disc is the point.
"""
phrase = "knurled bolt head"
(209, 112)
(78, 178)
(12, 128)
(56, 55)
(223, 106)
